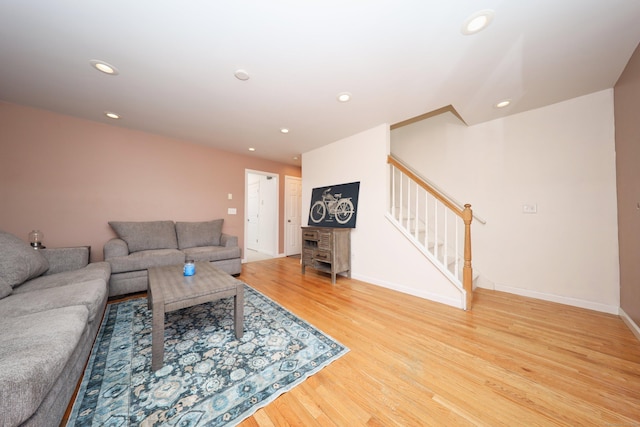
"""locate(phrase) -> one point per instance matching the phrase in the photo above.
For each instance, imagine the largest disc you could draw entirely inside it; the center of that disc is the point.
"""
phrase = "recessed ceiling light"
(252, 149)
(503, 103)
(241, 75)
(112, 115)
(284, 130)
(344, 97)
(477, 22)
(104, 67)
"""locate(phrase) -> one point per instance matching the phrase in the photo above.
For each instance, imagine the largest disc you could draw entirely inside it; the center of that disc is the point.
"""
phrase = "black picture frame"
(334, 206)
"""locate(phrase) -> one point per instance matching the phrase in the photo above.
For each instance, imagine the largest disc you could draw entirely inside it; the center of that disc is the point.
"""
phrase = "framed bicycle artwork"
(334, 206)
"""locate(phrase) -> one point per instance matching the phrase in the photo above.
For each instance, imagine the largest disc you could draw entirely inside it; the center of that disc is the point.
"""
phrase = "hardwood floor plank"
(261, 419)
(276, 418)
(306, 401)
(294, 412)
(512, 360)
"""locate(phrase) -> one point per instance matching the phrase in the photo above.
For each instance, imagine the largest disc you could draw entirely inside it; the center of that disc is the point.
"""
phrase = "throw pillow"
(142, 236)
(5, 289)
(193, 234)
(19, 262)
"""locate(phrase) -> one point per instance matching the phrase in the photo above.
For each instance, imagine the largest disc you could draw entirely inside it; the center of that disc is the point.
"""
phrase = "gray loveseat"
(51, 306)
(141, 245)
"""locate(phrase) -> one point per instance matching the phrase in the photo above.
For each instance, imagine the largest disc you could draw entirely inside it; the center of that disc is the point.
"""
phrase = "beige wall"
(560, 158)
(69, 177)
(627, 107)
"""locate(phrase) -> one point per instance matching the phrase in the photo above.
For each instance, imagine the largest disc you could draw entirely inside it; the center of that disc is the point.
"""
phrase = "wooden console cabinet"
(327, 249)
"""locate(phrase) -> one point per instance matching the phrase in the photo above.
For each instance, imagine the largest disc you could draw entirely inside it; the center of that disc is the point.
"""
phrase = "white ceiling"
(399, 59)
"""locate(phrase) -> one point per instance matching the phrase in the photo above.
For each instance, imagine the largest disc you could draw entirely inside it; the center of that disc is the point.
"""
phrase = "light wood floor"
(511, 361)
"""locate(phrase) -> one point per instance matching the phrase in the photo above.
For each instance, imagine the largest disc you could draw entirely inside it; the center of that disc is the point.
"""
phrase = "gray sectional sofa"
(141, 245)
(51, 305)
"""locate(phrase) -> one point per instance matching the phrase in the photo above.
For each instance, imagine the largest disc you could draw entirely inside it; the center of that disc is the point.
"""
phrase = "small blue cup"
(189, 268)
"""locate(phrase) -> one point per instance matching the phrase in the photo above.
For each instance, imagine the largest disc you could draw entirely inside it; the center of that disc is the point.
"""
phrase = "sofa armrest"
(66, 259)
(115, 248)
(228, 240)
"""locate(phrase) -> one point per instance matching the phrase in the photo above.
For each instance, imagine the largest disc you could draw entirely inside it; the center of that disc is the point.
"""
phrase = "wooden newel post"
(467, 270)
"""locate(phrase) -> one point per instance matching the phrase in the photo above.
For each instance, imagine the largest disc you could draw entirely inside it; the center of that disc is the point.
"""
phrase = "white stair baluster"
(416, 234)
(445, 257)
(436, 227)
(393, 190)
(426, 219)
(400, 204)
(409, 211)
(457, 250)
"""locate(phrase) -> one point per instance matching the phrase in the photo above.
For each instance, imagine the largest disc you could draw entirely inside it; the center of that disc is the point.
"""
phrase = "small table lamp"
(35, 237)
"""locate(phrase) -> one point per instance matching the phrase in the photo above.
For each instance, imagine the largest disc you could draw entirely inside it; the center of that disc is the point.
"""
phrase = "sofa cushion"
(19, 261)
(5, 289)
(146, 259)
(34, 350)
(212, 253)
(92, 294)
(141, 236)
(94, 271)
(192, 234)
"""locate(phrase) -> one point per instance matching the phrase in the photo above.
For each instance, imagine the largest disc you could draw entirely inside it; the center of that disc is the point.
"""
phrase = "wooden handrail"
(467, 217)
(426, 186)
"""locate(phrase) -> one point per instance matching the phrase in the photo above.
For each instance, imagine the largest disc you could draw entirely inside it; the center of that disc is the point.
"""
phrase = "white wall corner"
(482, 282)
(630, 323)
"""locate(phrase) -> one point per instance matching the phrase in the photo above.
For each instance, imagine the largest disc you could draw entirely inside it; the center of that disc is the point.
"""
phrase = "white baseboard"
(281, 255)
(590, 305)
(630, 323)
(457, 303)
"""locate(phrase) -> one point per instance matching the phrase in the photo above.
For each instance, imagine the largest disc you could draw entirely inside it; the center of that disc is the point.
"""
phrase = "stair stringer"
(425, 252)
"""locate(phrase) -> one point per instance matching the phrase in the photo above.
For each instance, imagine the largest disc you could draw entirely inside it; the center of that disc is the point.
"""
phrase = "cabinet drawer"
(324, 241)
(310, 235)
(322, 256)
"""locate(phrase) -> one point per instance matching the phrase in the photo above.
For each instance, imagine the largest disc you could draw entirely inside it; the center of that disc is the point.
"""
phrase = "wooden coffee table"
(170, 290)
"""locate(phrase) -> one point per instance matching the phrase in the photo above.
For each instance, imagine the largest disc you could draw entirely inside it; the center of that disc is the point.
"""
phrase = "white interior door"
(268, 215)
(253, 215)
(293, 213)
(262, 228)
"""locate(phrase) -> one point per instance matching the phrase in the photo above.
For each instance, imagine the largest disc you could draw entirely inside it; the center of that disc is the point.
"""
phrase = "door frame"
(275, 176)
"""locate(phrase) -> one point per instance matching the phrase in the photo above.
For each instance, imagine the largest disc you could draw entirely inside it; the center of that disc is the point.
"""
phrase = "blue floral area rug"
(209, 377)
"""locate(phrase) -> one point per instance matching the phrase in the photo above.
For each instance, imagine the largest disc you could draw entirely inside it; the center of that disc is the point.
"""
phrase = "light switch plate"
(530, 209)
(232, 211)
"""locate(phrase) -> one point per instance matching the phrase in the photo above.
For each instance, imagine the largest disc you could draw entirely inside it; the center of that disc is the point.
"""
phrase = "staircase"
(435, 225)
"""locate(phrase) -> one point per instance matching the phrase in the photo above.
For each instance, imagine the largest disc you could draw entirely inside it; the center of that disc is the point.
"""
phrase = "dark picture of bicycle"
(334, 206)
